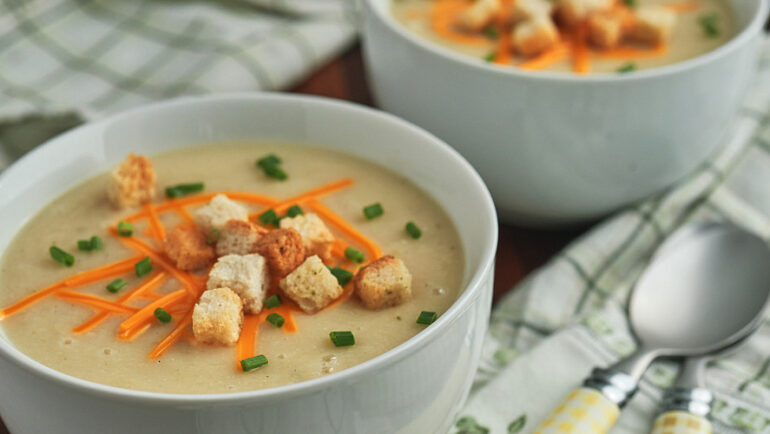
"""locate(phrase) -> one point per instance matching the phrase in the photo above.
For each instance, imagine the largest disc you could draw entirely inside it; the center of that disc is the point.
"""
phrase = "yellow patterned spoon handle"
(585, 411)
(680, 422)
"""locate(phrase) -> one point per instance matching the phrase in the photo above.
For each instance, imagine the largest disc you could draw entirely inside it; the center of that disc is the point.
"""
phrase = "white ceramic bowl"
(557, 148)
(415, 388)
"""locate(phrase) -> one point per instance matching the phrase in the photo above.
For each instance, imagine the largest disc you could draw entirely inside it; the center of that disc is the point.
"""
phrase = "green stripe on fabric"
(761, 373)
(50, 16)
(24, 93)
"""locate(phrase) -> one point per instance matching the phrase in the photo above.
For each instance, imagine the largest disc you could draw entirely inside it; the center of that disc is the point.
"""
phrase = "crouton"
(218, 212)
(283, 250)
(533, 37)
(312, 286)
(571, 12)
(605, 29)
(246, 275)
(316, 237)
(479, 14)
(238, 237)
(132, 182)
(384, 283)
(652, 25)
(187, 248)
(525, 10)
(218, 317)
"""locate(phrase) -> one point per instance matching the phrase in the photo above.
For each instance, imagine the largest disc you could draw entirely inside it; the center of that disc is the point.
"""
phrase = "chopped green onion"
(269, 217)
(294, 211)
(273, 301)
(162, 315)
(253, 363)
(180, 190)
(491, 32)
(630, 3)
(61, 256)
(373, 210)
(275, 319)
(213, 236)
(125, 229)
(270, 165)
(354, 255)
(628, 67)
(269, 160)
(710, 25)
(96, 243)
(342, 339)
(490, 57)
(426, 317)
(116, 285)
(413, 230)
(343, 276)
(143, 267)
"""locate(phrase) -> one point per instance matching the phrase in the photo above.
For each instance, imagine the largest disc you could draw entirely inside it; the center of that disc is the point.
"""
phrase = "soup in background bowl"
(398, 376)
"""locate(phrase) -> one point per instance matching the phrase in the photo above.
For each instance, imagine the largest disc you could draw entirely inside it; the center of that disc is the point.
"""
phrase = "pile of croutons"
(535, 23)
(247, 258)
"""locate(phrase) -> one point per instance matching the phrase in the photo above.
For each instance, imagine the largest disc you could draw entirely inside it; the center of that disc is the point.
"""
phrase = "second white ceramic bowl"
(415, 388)
(558, 148)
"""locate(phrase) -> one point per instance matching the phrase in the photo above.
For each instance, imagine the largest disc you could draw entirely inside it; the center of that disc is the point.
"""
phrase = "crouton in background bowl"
(415, 387)
(557, 147)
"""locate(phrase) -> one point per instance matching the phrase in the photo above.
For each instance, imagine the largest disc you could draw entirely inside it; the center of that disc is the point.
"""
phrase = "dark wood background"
(520, 250)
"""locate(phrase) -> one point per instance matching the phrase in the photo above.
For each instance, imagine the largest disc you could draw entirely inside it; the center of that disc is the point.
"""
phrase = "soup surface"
(700, 26)
(44, 330)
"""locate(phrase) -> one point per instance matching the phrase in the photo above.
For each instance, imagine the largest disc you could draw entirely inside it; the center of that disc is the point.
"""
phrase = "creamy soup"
(43, 331)
(615, 38)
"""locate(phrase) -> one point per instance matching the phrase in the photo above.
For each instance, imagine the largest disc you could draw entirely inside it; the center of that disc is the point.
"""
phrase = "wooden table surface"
(519, 251)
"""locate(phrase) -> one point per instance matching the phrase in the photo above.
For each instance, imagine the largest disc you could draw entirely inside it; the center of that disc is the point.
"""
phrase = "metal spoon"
(705, 289)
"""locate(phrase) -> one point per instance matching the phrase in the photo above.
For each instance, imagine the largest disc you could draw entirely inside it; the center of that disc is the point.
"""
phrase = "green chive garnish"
(162, 315)
(372, 211)
(96, 243)
(116, 285)
(491, 32)
(269, 217)
(273, 301)
(294, 211)
(490, 57)
(628, 67)
(343, 276)
(180, 190)
(426, 317)
(125, 229)
(270, 165)
(253, 363)
(213, 236)
(275, 319)
(710, 25)
(342, 339)
(630, 3)
(143, 267)
(354, 255)
(413, 230)
(61, 256)
(269, 160)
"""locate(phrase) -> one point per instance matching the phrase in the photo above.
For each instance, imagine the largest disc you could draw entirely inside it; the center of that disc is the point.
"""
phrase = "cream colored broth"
(43, 331)
(687, 39)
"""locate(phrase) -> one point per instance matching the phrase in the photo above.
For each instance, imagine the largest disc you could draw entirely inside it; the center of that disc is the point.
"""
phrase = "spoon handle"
(676, 422)
(585, 411)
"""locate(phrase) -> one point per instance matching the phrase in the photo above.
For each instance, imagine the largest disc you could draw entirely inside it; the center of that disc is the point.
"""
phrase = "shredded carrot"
(30, 299)
(308, 195)
(444, 15)
(581, 61)
(247, 342)
(628, 53)
(96, 302)
(548, 58)
(173, 336)
(504, 53)
(684, 7)
(156, 227)
(147, 312)
(349, 231)
(258, 199)
(338, 248)
(101, 273)
(184, 214)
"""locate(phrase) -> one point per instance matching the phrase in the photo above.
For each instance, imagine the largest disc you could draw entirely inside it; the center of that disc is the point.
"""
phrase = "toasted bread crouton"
(132, 182)
(246, 275)
(384, 283)
(571, 12)
(238, 237)
(187, 248)
(525, 10)
(312, 286)
(218, 212)
(218, 317)
(605, 29)
(283, 249)
(652, 25)
(316, 237)
(533, 37)
(479, 15)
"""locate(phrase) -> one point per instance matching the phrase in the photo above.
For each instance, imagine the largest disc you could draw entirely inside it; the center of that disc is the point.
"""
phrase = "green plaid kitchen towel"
(569, 316)
(65, 61)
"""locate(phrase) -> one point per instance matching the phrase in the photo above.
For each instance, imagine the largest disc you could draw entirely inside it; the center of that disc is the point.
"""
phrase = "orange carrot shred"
(156, 227)
(581, 61)
(184, 214)
(349, 231)
(444, 15)
(247, 342)
(683, 7)
(96, 302)
(147, 311)
(308, 195)
(173, 336)
(547, 58)
(101, 273)
(31, 299)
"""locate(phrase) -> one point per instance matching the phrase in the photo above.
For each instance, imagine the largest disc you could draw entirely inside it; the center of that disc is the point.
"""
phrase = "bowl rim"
(740, 39)
(471, 291)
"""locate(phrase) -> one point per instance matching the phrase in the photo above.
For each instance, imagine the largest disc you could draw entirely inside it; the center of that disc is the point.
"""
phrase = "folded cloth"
(569, 316)
(66, 61)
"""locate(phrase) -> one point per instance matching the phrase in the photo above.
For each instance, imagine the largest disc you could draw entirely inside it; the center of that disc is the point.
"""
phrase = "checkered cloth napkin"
(66, 61)
(569, 316)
